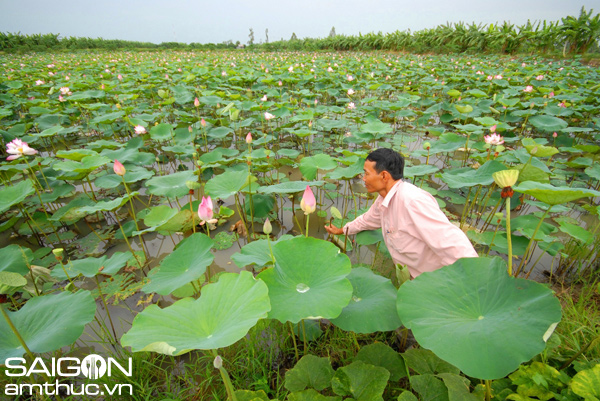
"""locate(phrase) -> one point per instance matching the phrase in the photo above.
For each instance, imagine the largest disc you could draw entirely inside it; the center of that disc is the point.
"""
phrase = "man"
(416, 232)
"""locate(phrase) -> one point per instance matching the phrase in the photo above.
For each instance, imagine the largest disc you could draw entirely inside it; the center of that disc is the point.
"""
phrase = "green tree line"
(571, 35)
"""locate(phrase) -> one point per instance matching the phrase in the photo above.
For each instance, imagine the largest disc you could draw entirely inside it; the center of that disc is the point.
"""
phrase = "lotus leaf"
(310, 371)
(11, 195)
(372, 305)
(47, 323)
(476, 299)
(552, 195)
(186, 263)
(379, 354)
(228, 184)
(222, 315)
(299, 286)
(361, 381)
(172, 185)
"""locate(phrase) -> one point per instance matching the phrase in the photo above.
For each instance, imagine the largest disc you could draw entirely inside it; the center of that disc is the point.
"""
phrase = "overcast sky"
(221, 20)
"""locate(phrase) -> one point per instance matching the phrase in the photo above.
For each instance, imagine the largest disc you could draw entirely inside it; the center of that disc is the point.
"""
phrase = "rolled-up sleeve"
(371, 220)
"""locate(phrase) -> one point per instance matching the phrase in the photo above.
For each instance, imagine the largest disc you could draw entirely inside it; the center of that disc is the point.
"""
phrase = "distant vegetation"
(572, 35)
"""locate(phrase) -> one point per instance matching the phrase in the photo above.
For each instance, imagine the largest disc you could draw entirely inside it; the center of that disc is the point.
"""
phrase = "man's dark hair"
(388, 160)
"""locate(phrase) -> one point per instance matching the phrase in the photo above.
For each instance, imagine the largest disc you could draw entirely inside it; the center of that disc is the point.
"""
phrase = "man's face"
(373, 180)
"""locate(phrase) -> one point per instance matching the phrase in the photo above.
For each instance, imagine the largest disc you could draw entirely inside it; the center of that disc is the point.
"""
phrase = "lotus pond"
(111, 244)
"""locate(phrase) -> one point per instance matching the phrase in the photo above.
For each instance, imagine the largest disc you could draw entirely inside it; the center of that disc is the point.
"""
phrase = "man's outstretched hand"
(331, 229)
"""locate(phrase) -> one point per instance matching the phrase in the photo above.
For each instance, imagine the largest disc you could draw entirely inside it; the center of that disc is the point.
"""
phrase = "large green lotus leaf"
(417, 171)
(11, 282)
(379, 354)
(346, 173)
(89, 94)
(548, 123)
(107, 206)
(227, 184)
(476, 300)
(310, 165)
(89, 267)
(172, 185)
(221, 316)
(552, 195)
(376, 127)
(468, 177)
(577, 232)
(369, 237)
(47, 323)
(186, 263)
(310, 371)
(527, 223)
(70, 212)
(14, 258)
(11, 195)
(219, 132)
(361, 381)
(538, 150)
(593, 171)
(528, 172)
(256, 253)
(372, 305)
(183, 221)
(327, 124)
(499, 241)
(86, 165)
(159, 215)
(586, 383)
(134, 174)
(107, 118)
(129, 155)
(290, 187)
(75, 154)
(162, 132)
(308, 280)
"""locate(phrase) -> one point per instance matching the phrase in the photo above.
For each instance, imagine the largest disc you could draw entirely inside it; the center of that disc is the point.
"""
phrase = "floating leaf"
(47, 323)
(221, 316)
(475, 298)
(186, 263)
(172, 185)
(299, 286)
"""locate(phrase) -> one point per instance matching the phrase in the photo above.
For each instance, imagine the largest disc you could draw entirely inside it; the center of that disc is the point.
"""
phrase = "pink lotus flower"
(329, 69)
(205, 210)
(196, 102)
(351, 106)
(64, 90)
(139, 129)
(249, 138)
(350, 92)
(268, 116)
(264, 98)
(120, 77)
(498, 77)
(291, 69)
(350, 78)
(61, 99)
(67, 78)
(554, 135)
(17, 148)
(308, 202)
(39, 82)
(493, 139)
(119, 168)
(528, 89)
(280, 83)
(223, 73)
(562, 104)
(202, 123)
(539, 77)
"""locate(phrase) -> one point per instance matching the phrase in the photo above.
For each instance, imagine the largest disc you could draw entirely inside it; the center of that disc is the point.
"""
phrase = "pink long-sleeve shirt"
(416, 232)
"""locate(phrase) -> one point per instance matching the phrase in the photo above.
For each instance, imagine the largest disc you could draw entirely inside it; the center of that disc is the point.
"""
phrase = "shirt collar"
(390, 195)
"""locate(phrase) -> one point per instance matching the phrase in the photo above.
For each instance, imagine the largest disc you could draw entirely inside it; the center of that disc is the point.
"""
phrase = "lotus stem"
(488, 390)
(226, 380)
(193, 216)
(509, 236)
(106, 308)
(307, 220)
(127, 241)
(305, 340)
(294, 340)
(137, 227)
(462, 217)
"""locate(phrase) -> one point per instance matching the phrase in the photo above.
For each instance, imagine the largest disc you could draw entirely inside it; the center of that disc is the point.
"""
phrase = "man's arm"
(370, 220)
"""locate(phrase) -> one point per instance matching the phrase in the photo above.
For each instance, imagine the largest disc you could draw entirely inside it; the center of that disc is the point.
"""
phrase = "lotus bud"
(249, 138)
(218, 362)
(534, 150)
(267, 227)
(196, 102)
(308, 202)
(554, 135)
(119, 168)
(58, 253)
(205, 210)
(202, 123)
